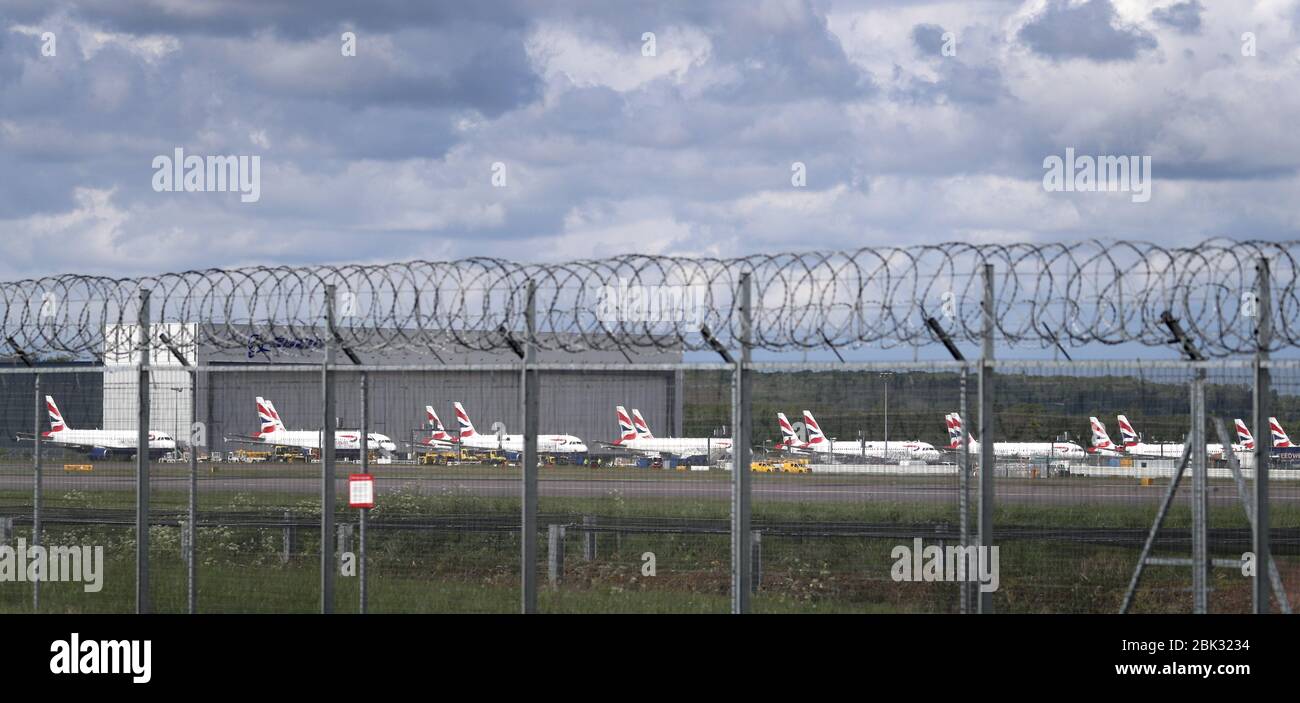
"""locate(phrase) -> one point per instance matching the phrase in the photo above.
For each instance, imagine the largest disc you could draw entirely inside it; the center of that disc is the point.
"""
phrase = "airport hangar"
(577, 402)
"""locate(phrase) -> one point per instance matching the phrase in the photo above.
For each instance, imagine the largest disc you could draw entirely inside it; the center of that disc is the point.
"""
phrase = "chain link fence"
(534, 445)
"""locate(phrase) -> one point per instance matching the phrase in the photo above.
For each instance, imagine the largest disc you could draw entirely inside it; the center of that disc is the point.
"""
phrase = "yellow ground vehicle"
(434, 459)
(763, 467)
(795, 466)
(289, 454)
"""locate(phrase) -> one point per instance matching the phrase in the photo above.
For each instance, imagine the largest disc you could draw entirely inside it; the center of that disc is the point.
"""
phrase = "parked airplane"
(1021, 450)
(99, 444)
(642, 429)
(1244, 435)
(789, 439)
(440, 439)
(546, 443)
(634, 434)
(819, 442)
(1280, 440)
(1134, 447)
(346, 442)
(1101, 444)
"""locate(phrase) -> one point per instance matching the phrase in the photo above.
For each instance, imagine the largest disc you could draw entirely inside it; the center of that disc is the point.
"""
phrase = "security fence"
(536, 439)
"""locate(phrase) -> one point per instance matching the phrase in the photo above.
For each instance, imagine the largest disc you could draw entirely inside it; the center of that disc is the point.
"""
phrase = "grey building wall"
(573, 402)
(79, 396)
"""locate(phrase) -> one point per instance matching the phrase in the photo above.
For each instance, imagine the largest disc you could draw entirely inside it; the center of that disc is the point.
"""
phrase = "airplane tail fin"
(1126, 431)
(1100, 438)
(270, 418)
(1279, 435)
(788, 437)
(815, 436)
(626, 430)
(1244, 435)
(642, 429)
(56, 418)
(955, 428)
(462, 419)
(439, 432)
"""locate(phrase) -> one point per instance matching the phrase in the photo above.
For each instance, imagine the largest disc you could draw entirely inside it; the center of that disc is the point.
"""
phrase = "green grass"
(241, 568)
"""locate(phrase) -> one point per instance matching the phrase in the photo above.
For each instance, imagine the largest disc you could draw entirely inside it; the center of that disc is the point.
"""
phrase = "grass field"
(245, 569)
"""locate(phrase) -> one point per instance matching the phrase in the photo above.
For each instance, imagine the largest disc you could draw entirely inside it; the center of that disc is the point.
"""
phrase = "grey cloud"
(1090, 30)
(387, 156)
(1182, 16)
(928, 39)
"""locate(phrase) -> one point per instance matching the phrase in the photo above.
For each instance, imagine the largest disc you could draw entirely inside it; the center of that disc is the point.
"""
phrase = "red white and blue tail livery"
(1244, 436)
(1280, 440)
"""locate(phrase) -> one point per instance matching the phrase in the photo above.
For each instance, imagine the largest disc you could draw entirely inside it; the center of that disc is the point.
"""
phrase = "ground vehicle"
(795, 466)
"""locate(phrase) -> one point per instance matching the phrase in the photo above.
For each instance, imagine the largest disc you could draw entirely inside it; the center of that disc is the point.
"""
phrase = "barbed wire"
(1091, 292)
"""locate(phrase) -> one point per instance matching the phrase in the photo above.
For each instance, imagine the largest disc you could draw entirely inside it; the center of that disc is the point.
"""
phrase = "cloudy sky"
(913, 122)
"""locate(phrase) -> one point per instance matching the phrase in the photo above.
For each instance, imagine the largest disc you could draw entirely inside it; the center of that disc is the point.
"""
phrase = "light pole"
(885, 375)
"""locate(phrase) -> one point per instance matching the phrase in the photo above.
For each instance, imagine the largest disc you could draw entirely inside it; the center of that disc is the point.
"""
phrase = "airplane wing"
(29, 437)
(431, 446)
(242, 439)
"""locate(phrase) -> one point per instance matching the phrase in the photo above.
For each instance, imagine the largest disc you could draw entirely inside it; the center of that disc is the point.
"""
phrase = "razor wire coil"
(1090, 292)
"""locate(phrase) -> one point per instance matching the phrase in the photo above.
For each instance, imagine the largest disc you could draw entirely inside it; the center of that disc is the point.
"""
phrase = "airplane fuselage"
(1032, 450)
(345, 441)
(902, 449)
(678, 446)
(546, 443)
(110, 442)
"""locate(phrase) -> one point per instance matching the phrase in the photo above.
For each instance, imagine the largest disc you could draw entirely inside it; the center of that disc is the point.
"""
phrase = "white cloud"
(562, 54)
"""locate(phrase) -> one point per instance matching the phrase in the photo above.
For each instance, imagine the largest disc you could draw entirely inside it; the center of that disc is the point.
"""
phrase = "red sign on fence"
(361, 491)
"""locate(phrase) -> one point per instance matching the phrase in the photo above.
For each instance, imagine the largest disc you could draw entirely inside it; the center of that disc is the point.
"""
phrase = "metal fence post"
(741, 479)
(344, 543)
(1200, 497)
(963, 497)
(531, 407)
(679, 403)
(328, 419)
(589, 538)
(1263, 437)
(555, 554)
(191, 525)
(142, 461)
(37, 492)
(290, 538)
(985, 599)
(365, 469)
